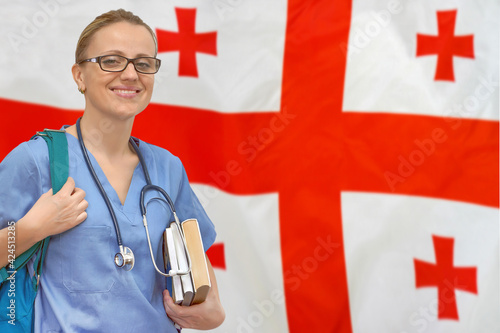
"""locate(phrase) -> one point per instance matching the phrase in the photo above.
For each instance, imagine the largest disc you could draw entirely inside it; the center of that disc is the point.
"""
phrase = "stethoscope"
(125, 258)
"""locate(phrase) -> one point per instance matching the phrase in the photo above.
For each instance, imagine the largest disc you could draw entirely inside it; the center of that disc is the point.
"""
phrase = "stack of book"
(191, 288)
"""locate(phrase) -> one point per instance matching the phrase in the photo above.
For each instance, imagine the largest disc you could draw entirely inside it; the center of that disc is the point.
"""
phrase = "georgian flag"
(346, 151)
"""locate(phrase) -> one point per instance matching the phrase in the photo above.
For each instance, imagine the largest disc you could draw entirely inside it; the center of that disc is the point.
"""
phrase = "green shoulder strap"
(58, 156)
(59, 170)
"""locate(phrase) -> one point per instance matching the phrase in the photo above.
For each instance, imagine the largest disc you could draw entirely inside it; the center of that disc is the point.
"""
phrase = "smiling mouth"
(125, 91)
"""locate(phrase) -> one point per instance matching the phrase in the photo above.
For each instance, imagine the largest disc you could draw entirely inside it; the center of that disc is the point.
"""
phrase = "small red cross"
(187, 41)
(446, 277)
(446, 45)
(216, 255)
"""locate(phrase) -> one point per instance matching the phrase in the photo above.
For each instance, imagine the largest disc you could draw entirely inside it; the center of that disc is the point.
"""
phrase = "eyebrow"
(118, 52)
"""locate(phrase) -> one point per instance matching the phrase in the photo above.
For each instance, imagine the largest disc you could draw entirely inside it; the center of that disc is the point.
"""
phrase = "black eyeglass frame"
(98, 61)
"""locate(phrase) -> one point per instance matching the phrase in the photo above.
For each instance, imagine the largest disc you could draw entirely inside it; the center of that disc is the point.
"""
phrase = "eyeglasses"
(116, 63)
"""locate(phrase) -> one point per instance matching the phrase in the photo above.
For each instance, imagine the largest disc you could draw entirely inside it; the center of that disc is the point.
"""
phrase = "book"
(170, 257)
(187, 283)
(199, 268)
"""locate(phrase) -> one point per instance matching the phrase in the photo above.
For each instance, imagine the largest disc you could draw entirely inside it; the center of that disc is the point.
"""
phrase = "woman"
(81, 287)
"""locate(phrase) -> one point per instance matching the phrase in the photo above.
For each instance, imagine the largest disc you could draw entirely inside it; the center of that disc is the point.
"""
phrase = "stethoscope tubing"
(143, 206)
(98, 183)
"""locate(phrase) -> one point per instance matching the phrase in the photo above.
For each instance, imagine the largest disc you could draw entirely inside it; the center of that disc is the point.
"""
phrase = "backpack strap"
(58, 156)
(59, 170)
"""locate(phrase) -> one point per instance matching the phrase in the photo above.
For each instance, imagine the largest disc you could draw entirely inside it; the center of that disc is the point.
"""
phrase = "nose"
(129, 73)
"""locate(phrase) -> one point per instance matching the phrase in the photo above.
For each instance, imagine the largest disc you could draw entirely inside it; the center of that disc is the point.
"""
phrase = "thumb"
(68, 187)
(168, 301)
(166, 295)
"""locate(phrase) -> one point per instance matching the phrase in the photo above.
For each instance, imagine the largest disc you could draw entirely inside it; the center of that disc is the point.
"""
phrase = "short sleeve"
(188, 206)
(20, 181)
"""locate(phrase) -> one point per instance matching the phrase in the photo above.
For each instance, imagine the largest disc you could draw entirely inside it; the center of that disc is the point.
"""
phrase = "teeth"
(125, 91)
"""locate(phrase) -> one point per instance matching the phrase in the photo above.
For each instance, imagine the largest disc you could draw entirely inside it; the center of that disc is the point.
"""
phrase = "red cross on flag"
(347, 151)
(214, 59)
(445, 45)
(187, 41)
(420, 259)
(426, 46)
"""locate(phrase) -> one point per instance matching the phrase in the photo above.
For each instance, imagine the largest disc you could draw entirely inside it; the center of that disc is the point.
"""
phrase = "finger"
(82, 205)
(78, 194)
(81, 217)
(166, 296)
(68, 187)
(168, 302)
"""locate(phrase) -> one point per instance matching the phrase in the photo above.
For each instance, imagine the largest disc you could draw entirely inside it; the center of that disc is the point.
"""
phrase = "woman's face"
(117, 94)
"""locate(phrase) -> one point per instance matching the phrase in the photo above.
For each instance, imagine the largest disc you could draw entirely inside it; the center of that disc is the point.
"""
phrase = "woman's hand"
(204, 316)
(50, 215)
(53, 214)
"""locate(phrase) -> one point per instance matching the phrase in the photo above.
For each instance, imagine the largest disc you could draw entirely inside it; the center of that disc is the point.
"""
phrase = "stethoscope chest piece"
(125, 258)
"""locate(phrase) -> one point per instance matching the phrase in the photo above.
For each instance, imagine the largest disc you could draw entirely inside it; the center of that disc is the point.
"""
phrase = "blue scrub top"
(81, 288)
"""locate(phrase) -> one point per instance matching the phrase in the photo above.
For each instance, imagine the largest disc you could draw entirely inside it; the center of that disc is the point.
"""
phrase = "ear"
(78, 76)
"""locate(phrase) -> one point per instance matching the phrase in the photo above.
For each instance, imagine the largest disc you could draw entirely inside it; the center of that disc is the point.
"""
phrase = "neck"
(106, 136)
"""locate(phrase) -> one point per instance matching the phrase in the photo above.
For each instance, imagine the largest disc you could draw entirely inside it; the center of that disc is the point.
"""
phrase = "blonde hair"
(101, 21)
